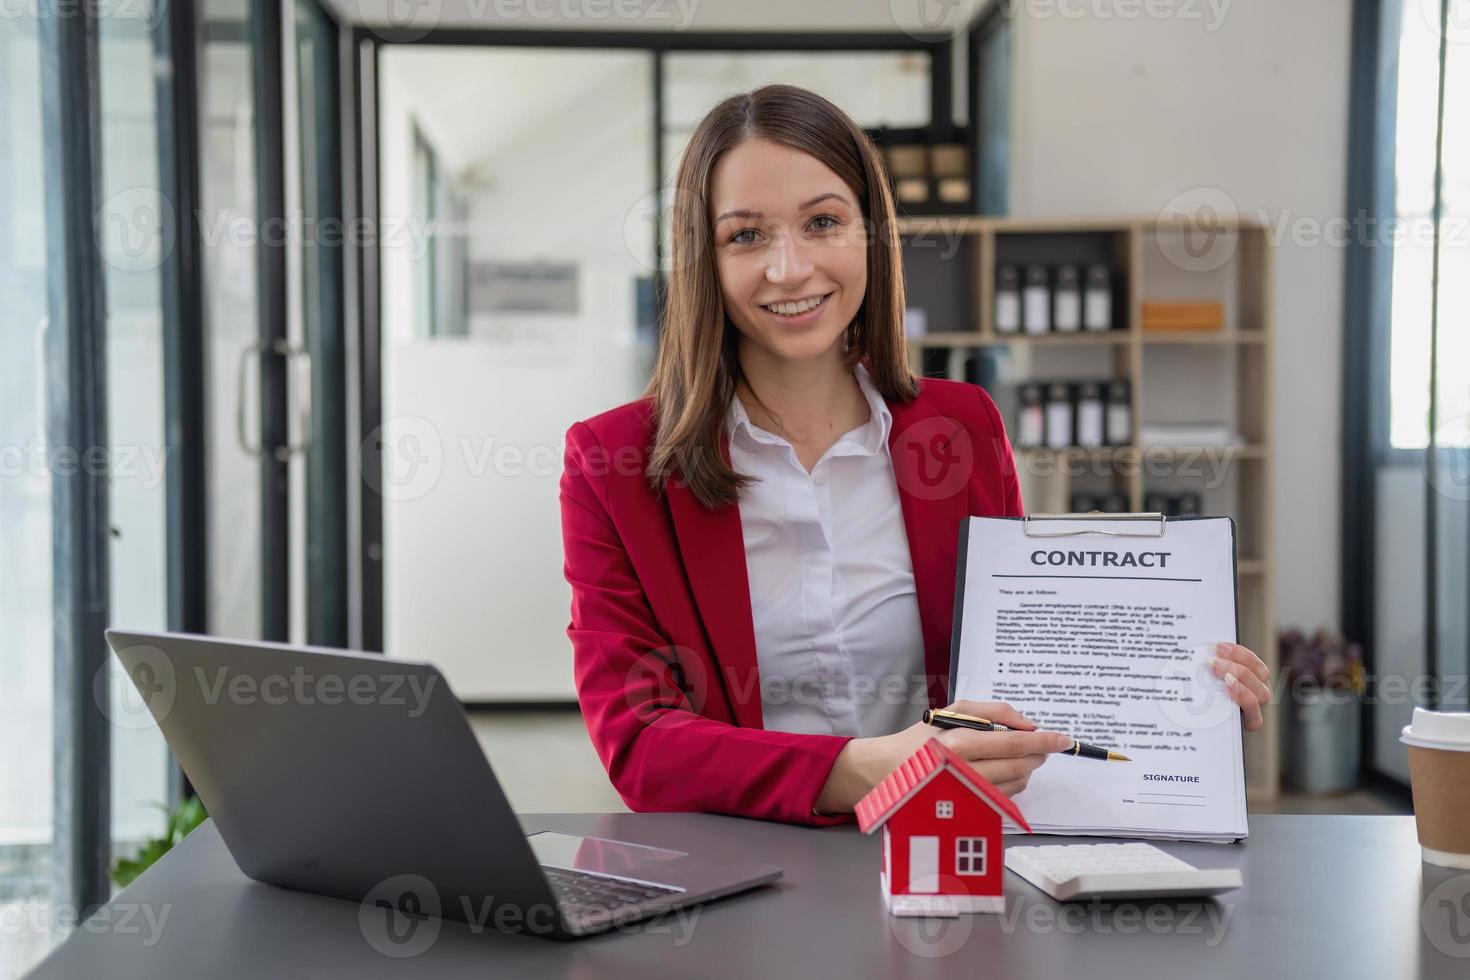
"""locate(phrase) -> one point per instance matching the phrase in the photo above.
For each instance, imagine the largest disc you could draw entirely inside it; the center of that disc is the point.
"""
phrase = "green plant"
(183, 819)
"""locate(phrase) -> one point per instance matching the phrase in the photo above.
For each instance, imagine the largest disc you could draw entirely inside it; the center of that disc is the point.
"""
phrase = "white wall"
(1114, 116)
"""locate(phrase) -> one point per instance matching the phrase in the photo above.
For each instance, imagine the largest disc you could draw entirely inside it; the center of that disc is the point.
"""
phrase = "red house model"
(941, 820)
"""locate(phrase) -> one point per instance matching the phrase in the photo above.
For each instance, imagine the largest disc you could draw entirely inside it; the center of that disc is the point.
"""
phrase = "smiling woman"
(762, 603)
(788, 196)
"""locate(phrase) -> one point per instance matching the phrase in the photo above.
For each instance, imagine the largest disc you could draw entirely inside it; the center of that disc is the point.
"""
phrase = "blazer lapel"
(932, 459)
(712, 544)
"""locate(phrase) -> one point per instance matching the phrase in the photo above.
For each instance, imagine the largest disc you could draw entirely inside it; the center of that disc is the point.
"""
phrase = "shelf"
(1133, 452)
(1251, 451)
(913, 224)
(1099, 452)
(1083, 338)
(1173, 375)
(956, 338)
(1098, 338)
(1101, 338)
(942, 223)
(1206, 337)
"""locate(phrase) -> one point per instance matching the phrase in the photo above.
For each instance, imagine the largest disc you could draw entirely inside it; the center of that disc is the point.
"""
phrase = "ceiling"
(919, 16)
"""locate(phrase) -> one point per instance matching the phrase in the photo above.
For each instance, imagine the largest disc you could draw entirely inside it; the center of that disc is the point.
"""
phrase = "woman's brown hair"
(697, 369)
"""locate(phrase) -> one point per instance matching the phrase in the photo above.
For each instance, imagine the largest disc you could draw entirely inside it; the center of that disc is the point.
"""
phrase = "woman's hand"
(1007, 759)
(1247, 679)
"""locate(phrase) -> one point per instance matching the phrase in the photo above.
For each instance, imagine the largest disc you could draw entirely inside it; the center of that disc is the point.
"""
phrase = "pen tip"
(1118, 757)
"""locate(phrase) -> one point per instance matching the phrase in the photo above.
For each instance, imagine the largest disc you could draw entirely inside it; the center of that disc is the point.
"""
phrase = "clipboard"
(1145, 524)
(1142, 524)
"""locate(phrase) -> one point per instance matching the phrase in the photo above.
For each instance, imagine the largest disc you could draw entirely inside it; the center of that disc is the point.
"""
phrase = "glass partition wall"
(26, 640)
(511, 294)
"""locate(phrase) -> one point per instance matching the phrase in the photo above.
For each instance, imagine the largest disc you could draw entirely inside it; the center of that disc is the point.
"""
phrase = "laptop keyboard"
(582, 894)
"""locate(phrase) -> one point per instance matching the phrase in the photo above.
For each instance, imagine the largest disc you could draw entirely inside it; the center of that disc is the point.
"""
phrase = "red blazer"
(664, 649)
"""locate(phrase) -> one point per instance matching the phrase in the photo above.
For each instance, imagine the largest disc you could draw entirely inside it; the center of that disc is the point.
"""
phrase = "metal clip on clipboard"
(1157, 525)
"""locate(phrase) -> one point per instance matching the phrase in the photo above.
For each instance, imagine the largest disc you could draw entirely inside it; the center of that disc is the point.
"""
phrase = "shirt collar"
(870, 438)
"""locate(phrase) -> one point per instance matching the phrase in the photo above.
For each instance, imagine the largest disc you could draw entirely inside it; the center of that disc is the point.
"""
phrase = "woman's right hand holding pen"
(1007, 759)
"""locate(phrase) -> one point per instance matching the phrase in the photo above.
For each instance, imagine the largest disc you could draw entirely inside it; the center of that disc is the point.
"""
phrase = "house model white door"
(923, 864)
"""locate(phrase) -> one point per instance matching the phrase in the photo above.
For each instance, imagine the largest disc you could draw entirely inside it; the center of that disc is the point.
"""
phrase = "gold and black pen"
(940, 718)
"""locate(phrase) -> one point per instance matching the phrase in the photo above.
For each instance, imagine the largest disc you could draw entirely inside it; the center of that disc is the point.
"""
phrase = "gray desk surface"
(1323, 896)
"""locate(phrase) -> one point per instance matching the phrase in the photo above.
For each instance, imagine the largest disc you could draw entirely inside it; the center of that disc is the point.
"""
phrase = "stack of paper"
(1105, 630)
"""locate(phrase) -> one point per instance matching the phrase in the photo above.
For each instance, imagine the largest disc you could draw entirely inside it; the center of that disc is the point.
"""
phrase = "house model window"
(969, 855)
(944, 809)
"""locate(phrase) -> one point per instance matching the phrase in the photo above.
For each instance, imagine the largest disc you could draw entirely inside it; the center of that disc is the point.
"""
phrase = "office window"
(944, 809)
(231, 317)
(1413, 299)
(1406, 527)
(969, 855)
(26, 636)
(135, 235)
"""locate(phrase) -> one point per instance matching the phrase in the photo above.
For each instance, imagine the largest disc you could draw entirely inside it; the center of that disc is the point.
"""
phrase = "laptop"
(358, 777)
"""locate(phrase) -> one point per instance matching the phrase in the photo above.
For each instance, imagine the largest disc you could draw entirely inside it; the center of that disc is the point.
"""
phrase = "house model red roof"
(918, 769)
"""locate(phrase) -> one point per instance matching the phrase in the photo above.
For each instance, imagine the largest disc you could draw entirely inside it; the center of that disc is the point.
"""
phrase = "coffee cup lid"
(1438, 730)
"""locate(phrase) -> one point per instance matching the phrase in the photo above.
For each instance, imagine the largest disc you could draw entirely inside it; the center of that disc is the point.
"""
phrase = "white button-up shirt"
(837, 635)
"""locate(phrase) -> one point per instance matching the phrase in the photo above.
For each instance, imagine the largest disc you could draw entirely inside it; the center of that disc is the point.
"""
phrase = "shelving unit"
(950, 264)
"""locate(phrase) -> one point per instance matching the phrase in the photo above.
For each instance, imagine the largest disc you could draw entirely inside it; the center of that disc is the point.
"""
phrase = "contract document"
(1104, 628)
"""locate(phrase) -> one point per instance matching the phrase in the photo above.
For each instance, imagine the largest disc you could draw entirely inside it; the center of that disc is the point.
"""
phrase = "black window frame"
(76, 419)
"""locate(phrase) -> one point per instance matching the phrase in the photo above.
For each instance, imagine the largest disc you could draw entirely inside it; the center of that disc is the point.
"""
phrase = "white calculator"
(1072, 871)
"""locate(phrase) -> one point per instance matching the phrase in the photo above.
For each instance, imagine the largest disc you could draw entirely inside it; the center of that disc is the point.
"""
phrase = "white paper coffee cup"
(1439, 775)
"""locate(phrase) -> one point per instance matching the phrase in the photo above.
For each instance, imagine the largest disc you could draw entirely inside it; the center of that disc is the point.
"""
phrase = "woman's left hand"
(1247, 679)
